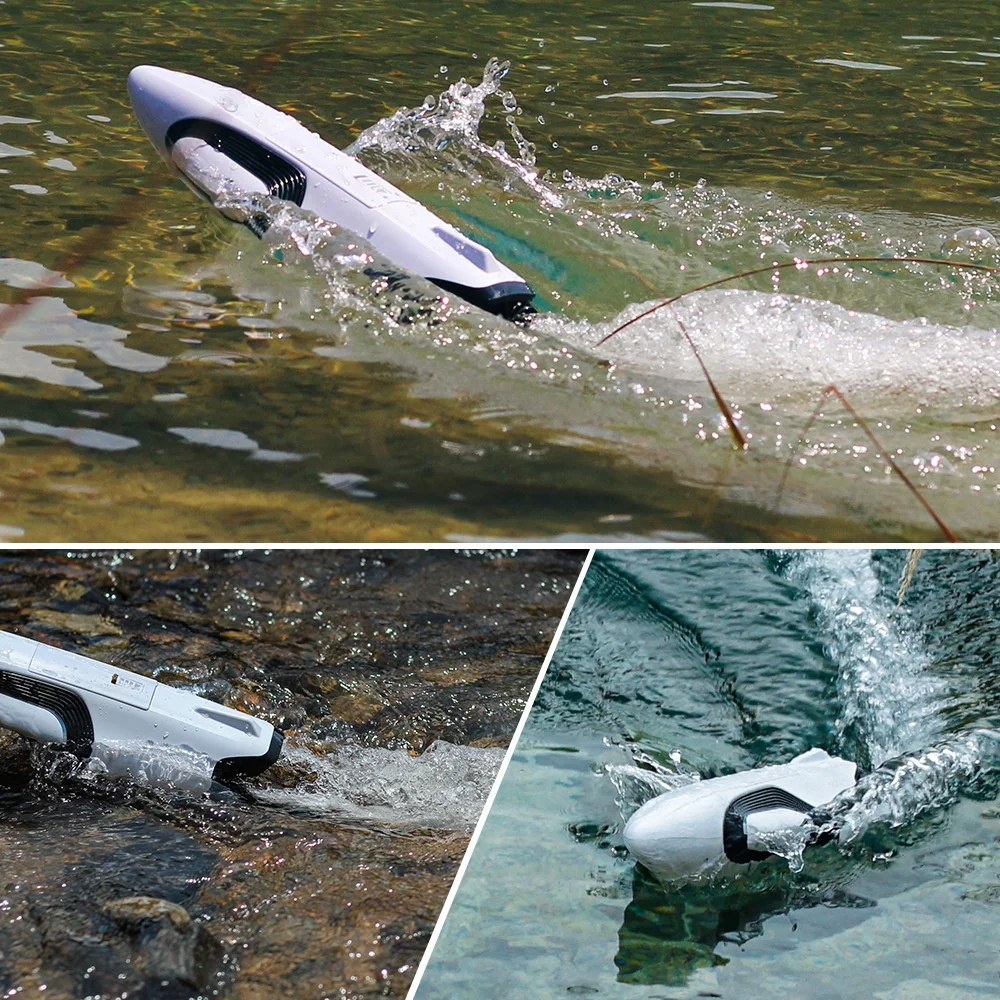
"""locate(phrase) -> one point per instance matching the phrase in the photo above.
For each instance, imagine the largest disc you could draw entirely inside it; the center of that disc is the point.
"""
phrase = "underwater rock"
(68, 927)
(82, 625)
(167, 944)
(15, 752)
(326, 909)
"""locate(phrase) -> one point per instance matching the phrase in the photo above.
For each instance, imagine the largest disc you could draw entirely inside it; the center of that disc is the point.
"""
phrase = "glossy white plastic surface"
(338, 187)
(123, 707)
(679, 834)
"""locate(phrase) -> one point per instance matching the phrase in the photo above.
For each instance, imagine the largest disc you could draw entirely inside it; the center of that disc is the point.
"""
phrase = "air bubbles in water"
(970, 242)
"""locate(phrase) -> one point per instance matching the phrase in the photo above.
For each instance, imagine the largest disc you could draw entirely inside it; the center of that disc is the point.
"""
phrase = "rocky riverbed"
(398, 678)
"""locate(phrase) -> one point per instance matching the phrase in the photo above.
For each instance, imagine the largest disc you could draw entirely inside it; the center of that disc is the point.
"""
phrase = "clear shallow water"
(676, 666)
(177, 380)
(397, 678)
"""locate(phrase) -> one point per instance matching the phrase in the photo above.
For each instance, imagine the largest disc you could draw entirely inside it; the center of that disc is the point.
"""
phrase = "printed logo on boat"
(374, 192)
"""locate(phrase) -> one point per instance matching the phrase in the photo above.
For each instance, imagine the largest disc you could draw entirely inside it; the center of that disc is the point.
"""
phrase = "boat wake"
(445, 786)
(892, 718)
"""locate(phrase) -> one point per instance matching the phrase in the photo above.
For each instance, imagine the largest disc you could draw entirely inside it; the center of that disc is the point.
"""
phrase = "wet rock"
(84, 625)
(170, 609)
(331, 909)
(134, 912)
(167, 944)
(62, 864)
(490, 743)
(69, 590)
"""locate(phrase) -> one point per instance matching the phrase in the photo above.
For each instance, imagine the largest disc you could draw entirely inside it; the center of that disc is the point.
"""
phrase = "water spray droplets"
(457, 112)
(636, 785)
(890, 697)
(452, 121)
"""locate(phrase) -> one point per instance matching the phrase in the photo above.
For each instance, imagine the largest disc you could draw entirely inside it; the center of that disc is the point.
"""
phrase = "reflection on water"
(667, 935)
(678, 666)
(49, 322)
(621, 158)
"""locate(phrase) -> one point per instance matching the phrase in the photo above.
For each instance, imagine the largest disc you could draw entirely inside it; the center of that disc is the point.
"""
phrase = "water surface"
(680, 666)
(178, 379)
(397, 679)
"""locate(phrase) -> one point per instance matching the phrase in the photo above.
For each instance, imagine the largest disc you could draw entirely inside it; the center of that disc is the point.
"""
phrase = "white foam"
(445, 786)
(768, 346)
(890, 698)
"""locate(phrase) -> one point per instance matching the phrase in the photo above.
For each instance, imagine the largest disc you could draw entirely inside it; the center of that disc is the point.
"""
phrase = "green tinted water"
(241, 396)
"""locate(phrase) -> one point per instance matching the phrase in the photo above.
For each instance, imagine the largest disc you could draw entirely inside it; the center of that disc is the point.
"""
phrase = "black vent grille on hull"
(67, 706)
(734, 834)
(283, 179)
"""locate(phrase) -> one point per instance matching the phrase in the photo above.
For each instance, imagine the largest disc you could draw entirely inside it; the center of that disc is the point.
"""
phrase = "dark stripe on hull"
(68, 707)
(230, 767)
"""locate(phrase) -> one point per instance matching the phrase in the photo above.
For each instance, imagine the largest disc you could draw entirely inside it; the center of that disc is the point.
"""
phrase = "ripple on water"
(912, 350)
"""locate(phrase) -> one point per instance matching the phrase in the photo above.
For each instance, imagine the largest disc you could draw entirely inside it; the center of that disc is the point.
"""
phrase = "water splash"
(789, 347)
(891, 717)
(145, 764)
(890, 698)
(153, 765)
(456, 113)
(451, 122)
(634, 786)
(446, 785)
(896, 796)
(902, 790)
(789, 843)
